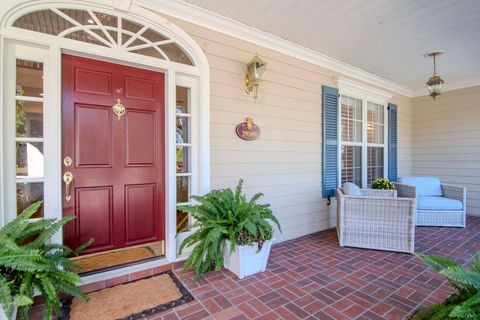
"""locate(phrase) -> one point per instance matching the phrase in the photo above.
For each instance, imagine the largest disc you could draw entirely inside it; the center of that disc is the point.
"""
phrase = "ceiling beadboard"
(386, 38)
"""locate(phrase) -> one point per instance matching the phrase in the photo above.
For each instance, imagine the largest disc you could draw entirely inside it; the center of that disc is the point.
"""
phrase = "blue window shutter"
(392, 142)
(330, 141)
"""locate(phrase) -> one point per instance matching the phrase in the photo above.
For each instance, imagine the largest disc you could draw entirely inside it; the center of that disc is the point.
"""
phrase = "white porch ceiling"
(386, 38)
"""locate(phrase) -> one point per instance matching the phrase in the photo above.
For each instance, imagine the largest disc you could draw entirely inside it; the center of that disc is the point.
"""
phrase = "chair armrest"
(405, 190)
(454, 192)
(385, 209)
(379, 193)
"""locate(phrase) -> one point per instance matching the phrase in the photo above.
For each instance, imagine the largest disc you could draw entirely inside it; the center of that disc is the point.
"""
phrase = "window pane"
(352, 164)
(351, 119)
(153, 36)
(27, 194)
(182, 130)
(29, 79)
(30, 159)
(29, 119)
(375, 124)
(182, 221)
(105, 19)
(183, 188)
(182, 159)
(183, 100)
(149, 52)
(130, 26)
(44, 21)
(175, 54)
(84, 37)
(374, 164)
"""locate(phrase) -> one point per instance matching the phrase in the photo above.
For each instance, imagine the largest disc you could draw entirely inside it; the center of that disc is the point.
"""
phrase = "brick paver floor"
(313, 278)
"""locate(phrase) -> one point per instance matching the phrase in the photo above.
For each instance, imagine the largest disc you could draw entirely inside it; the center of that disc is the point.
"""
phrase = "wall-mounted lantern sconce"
(256, 69)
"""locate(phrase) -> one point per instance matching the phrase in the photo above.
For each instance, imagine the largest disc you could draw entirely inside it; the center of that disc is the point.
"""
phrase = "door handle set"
(67, 178)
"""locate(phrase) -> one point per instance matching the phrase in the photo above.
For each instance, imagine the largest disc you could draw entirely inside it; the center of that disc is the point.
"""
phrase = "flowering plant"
(382, 184)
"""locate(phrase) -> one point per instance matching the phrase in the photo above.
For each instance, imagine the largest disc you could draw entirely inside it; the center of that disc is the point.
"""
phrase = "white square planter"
(245, 260)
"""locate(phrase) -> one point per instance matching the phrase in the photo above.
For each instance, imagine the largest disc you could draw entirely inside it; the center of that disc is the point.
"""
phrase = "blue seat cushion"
(438, 203)
(426, 186)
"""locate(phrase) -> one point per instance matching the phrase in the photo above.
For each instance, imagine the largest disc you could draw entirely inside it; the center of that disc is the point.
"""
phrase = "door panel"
(118, 187)
(140, 137)
(95, 212)
(140, 213)
(138, 88)
(93, 82)
(93, 136)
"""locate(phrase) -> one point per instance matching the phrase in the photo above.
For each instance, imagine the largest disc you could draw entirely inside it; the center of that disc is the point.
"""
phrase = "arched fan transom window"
(105, 30)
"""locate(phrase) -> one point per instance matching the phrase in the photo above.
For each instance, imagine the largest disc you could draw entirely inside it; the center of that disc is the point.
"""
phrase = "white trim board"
(216, 22)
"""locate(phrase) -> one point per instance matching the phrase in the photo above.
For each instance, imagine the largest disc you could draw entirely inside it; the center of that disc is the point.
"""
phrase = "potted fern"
(229, 230)
(28, 262)
(463, 304)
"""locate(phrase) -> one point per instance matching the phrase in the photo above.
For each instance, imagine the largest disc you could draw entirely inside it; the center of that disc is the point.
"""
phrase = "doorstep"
(111, 282)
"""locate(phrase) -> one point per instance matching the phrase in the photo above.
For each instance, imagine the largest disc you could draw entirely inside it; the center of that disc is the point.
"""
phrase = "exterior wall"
(447, 140)
(285, 163)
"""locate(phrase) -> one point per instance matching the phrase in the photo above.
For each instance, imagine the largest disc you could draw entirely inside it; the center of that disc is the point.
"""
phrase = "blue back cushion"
(426, 186)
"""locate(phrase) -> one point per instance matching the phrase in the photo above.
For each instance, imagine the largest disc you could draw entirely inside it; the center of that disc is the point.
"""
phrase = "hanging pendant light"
(435, 83)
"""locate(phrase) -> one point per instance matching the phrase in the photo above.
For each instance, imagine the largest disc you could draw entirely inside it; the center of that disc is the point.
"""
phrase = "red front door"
(117, 164)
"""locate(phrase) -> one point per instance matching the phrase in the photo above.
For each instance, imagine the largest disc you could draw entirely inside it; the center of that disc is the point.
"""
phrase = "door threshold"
(157, 262)
(118, 258)
(119, 266)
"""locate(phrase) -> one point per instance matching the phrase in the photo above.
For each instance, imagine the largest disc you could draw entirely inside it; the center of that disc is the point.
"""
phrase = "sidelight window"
(183, 146)
(29, 134)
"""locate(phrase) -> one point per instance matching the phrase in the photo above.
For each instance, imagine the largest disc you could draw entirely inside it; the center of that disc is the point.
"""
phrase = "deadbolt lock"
(67, 161)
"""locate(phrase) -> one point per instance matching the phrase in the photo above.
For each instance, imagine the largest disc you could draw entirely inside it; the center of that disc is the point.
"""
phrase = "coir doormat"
(114, 258)
(134, 300)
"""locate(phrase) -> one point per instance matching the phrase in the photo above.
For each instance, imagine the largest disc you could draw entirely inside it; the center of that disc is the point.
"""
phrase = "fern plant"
(222, 215)
(28, 262)
(465, 303)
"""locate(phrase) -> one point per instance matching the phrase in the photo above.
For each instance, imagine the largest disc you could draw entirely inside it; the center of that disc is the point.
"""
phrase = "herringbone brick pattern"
(313, 278)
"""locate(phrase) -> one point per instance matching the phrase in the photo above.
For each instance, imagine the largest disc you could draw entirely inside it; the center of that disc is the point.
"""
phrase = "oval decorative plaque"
(248, 130)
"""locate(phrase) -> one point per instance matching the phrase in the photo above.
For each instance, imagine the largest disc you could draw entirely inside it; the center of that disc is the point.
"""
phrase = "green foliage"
(382, 184)
(29, 261)
(222, 215)
(465, 303)
(20, 116)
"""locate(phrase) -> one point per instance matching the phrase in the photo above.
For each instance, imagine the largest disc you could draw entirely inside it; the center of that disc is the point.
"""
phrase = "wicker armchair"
(376, 220)
(435, 214)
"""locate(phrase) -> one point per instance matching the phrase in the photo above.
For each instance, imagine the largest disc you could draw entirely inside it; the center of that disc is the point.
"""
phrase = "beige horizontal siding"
(286, 162)
(447, 140)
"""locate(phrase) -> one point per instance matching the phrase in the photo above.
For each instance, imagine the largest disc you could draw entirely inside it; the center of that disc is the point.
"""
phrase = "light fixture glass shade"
(435, 84)
(256, 70)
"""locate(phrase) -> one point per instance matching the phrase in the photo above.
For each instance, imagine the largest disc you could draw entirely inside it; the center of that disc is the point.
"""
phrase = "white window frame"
(25, 44)
(347, 87)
